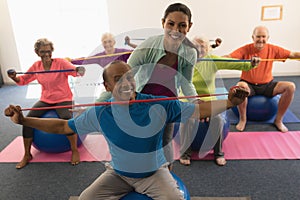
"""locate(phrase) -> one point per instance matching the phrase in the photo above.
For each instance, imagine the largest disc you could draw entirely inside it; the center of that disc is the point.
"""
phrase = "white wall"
(231, 20)
(8, 50)
(74, 26)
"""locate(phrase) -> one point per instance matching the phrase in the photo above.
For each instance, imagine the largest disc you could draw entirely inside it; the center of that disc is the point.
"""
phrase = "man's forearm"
(50, 125)
(211, 108)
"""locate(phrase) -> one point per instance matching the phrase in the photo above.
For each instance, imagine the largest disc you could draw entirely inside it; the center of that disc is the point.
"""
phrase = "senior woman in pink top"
(55, 92)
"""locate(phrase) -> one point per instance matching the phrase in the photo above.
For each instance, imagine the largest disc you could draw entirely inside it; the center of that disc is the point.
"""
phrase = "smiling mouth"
(175, 37)
(128, 91)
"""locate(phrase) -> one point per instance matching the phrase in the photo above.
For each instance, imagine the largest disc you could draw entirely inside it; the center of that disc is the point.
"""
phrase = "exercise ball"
(260, 108)
(50, 142)
(203, 129)
(137, 196)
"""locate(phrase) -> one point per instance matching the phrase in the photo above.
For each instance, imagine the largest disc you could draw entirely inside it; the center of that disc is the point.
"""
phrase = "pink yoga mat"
(256, 145)
(237, 146)
(94, 148)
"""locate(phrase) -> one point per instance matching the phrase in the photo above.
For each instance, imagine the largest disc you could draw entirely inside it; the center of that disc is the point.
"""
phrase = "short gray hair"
(42, 42)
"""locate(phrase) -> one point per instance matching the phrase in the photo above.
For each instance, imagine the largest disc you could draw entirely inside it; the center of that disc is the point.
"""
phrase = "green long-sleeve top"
(204, 76)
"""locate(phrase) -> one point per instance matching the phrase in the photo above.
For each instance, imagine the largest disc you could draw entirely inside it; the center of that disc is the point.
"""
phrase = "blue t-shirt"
(134, 132)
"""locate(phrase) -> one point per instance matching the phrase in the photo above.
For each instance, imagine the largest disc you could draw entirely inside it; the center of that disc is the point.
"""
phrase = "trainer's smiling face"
(120, 81)
(176, 26)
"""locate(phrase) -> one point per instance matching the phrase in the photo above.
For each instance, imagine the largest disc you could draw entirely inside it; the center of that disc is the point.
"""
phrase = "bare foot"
(75, 160)
(24, 162)
(185, 162)
(280, 126)
(220, 161)
(241, 125)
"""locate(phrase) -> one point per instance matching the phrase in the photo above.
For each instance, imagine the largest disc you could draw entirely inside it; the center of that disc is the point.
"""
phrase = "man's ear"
(107, 88)
(190, 25)
(163, 22)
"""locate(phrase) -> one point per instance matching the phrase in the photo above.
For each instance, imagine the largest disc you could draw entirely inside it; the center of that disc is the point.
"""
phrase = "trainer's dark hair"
(178, 7)
(175, 7)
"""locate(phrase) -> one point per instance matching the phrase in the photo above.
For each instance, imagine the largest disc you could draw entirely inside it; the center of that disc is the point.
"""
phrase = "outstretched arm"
(294, 55)
(236, 96)
(50, 125)
(13, 75)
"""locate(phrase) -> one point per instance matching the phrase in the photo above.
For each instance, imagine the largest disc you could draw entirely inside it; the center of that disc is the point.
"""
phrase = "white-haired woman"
(204, 81)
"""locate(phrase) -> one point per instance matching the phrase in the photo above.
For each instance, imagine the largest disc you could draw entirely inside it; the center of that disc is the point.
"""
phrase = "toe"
(220, 161)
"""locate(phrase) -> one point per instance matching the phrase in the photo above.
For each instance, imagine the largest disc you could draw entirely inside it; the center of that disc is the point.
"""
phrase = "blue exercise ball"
(50, 142)
(260, 108)
(203, 129)
(138, 196)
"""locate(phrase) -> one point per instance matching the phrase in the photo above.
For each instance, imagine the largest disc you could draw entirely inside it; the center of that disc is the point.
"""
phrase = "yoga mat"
(94, 148)
(237, 146)
(256, 145)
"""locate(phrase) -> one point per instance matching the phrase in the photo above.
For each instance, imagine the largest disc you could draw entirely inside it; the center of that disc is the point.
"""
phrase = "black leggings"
(63, 113)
